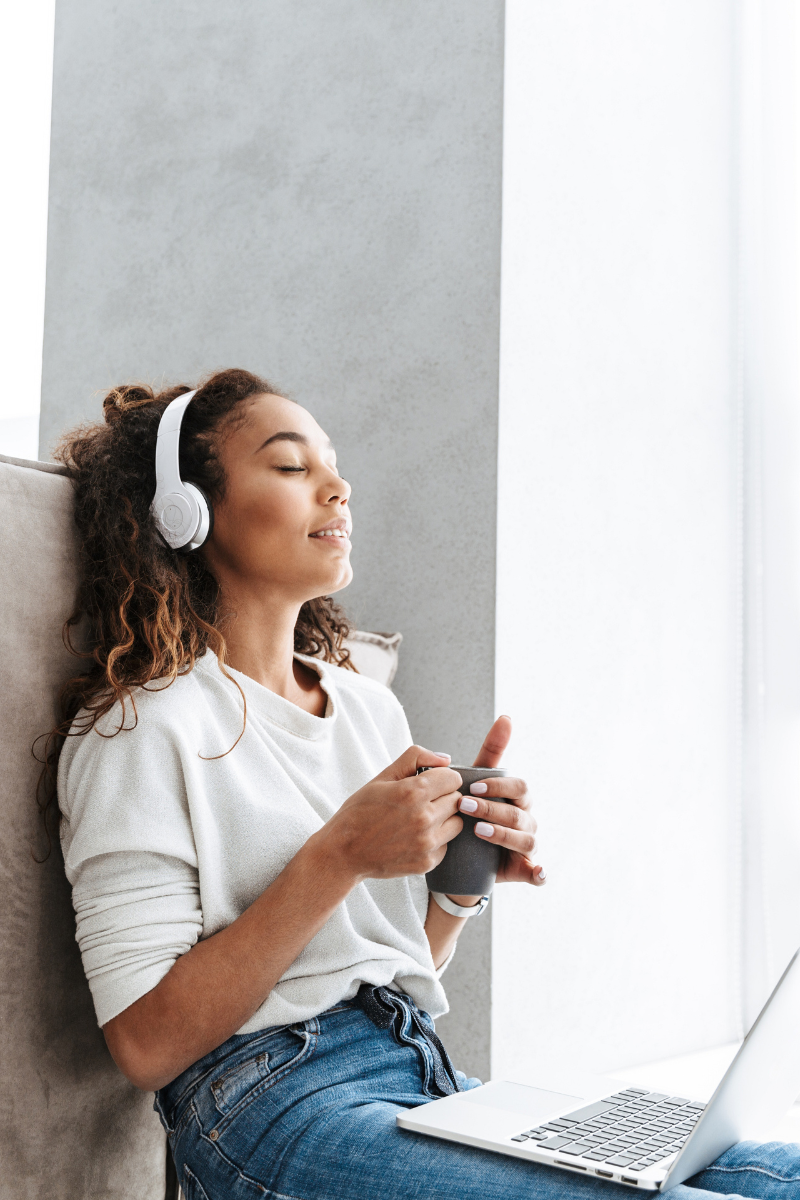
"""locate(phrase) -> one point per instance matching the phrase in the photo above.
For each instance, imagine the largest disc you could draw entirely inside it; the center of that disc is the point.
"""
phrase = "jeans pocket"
(191, 1187)
(270, 1061)
(233, 1085)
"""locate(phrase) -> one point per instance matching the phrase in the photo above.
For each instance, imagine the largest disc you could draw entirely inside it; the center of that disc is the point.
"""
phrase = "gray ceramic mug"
(470, 864)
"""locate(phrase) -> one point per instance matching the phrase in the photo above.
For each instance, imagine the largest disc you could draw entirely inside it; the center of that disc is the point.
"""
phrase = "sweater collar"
(275, 709)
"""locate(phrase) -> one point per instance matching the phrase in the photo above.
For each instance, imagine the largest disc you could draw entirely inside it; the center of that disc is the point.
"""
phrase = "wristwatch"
(456, 910)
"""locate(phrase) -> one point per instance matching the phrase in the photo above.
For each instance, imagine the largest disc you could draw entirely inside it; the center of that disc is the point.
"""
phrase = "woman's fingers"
(521, 841)
(494, 743)
(517, 868)
(436, 783)
(410, 762)
(497, 813)
(515, 790)
(451, 828)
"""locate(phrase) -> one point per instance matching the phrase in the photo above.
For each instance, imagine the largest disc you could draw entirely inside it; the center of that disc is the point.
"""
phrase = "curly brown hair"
(144, 612)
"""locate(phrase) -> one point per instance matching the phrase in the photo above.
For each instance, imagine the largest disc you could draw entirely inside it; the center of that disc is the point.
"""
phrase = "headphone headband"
(181, 512)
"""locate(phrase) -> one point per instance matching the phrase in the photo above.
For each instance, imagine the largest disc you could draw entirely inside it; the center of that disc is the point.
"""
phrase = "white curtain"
(649, 522)
(768, 416)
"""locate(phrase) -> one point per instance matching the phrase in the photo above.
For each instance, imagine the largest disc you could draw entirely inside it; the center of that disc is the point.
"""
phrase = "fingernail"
(542, 877)
(479, 788)
(468, 805)
(483, 829)
(439, 754)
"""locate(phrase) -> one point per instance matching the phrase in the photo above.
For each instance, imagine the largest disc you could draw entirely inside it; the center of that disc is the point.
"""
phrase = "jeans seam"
(190, 1177)
(303, 1056)
(203, 1137)
(283, 1196)
(757, 1170)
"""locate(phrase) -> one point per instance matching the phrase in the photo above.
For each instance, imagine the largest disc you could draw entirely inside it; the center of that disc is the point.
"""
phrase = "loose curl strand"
(144, 613)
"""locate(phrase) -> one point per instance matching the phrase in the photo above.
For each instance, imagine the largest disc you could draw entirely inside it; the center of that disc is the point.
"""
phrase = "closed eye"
(291, 469)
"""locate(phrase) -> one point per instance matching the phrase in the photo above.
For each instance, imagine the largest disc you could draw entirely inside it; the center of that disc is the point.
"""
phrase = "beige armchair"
(72, 1127)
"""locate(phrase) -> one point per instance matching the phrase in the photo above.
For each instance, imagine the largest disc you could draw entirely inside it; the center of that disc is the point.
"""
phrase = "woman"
(247, 835)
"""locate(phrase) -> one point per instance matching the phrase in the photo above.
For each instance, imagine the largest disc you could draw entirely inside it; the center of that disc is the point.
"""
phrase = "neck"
(259, 633)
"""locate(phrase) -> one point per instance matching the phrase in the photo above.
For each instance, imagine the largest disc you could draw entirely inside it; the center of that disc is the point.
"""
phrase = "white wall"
(769, 368)
(618, 583)
(26, 67)
(319, 201)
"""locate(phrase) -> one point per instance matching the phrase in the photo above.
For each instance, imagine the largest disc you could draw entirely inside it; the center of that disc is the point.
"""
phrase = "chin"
(336, 585)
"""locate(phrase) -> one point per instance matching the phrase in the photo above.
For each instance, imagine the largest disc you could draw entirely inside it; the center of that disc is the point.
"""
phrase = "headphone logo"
(173, 517)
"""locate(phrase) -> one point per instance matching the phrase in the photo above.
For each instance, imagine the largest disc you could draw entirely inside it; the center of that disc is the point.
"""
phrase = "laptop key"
(585, 1114)
(595, 1155)
(555, 1143)
(521, 1137)
(621, 1160)
(576, 1148)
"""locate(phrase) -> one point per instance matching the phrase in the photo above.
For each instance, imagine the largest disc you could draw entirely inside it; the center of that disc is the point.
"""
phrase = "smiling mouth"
(338, 535)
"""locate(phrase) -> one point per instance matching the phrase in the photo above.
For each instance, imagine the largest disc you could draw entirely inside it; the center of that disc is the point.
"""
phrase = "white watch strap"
(456, 910)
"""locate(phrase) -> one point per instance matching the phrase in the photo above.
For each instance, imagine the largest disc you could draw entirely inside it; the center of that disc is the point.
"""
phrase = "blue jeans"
(307, 1112)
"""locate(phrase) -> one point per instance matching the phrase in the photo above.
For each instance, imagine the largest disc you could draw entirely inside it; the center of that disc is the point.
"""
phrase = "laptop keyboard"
(634, 1129)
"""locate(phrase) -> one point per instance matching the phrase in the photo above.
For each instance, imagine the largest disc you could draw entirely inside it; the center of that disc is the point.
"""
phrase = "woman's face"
(284, 521)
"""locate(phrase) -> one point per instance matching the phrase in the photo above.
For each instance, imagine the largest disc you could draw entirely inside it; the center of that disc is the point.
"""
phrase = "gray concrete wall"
(312, 191)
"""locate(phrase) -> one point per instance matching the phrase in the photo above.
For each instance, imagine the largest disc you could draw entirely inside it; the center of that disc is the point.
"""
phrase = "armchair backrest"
(72, 1127)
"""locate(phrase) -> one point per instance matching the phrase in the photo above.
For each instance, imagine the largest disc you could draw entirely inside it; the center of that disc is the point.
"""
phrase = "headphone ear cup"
(206, 522)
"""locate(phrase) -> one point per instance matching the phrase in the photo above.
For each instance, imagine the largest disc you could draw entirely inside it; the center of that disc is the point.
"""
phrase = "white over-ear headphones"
(181, 512)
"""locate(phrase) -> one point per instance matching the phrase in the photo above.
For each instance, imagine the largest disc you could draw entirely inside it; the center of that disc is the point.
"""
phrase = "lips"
(338, 529)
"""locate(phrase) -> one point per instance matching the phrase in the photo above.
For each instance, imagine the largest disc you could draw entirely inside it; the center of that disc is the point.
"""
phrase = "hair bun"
(121, 400)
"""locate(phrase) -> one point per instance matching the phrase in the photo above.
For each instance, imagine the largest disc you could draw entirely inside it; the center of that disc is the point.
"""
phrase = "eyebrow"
(288, 435)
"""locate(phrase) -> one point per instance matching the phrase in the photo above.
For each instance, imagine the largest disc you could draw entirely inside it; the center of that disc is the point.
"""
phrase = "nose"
(335, 490)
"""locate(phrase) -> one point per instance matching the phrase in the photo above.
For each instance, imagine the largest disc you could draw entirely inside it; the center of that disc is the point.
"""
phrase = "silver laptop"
(630, 1135)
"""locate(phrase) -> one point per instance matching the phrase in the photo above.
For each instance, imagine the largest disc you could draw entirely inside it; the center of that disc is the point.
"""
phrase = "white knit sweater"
(164, 844)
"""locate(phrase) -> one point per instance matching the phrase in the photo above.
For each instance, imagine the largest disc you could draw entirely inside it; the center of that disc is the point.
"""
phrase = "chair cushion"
(375, 654)
(73, 1128)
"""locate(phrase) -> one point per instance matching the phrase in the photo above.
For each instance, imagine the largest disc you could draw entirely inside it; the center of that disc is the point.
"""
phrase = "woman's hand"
(399, 823)
(512, 825)
(508, 825)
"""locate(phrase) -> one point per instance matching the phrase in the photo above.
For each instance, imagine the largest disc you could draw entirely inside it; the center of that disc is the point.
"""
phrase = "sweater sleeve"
(130, 856)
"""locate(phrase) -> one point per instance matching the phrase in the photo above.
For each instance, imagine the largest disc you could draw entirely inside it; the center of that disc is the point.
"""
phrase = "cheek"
(260, 522)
